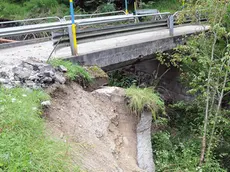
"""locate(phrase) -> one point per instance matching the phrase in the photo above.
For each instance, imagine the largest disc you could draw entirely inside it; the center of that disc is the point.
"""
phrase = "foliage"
(173, 154)
(73, 70)
(119, 79)
(204, 63)
(144, 98)
(24, 144)
(32, 8)
(107, 7)
(162, 5)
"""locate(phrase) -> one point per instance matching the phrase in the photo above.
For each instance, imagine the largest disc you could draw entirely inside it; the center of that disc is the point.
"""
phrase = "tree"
(205, 67)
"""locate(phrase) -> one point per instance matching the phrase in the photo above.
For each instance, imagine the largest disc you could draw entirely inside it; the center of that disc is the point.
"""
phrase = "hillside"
(12, 9)
(168, 111)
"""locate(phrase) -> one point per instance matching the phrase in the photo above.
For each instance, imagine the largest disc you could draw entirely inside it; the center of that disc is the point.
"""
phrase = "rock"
(30, 84)
(62, 68)
(34, 78)
(115, 94)
(46, 103)
(37, 66)
(48, 73)
(99, 77)
(60, 79)
(144, 145)
(47, 80)
(3, 75)
(4, 81)
(98, 134)
(31, 74)
(27, 66)
(21, 73)
(17, 83)
(46, 67)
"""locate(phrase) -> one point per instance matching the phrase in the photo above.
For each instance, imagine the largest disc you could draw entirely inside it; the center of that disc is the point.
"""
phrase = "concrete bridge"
(108, 52)
(120, 51)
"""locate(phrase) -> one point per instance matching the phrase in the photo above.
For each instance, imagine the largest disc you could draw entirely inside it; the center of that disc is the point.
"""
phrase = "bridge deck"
(42, 50)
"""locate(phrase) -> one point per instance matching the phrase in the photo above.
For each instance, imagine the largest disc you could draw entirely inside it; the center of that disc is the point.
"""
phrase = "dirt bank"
(98, 126)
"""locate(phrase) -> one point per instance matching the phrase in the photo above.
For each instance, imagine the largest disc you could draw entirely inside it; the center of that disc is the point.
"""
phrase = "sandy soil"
(98, 125)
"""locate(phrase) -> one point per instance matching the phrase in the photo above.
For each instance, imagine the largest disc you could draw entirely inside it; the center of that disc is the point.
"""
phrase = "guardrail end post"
(73, 39)
(171, 25)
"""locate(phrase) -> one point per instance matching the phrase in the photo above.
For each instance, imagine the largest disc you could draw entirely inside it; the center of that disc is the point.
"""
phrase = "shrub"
(107, 7)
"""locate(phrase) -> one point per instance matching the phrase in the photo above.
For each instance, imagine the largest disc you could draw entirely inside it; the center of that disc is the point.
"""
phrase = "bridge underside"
(122, 56)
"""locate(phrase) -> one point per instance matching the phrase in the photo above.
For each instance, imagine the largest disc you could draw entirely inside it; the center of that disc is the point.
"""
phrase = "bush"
(107, 7)
(174, 154)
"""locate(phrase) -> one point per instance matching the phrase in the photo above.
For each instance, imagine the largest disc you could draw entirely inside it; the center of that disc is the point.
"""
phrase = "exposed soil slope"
(98, 126)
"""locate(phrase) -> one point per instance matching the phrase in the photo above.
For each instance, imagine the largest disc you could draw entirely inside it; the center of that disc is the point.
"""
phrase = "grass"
(141, 98)
(164, 5)
(24, 145)
(73, 70)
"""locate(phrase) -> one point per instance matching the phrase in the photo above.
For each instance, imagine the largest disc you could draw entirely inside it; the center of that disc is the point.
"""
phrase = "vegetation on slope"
(31, 9)
(73, 70)
(163, 5)
(24, 144)
(196, 136)
(144, 99)
(12, 9)
(200, 128)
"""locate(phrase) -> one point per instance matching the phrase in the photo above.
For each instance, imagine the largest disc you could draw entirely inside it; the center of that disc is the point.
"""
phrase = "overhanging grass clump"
(74, 70)
(24, 145)
(141, 98)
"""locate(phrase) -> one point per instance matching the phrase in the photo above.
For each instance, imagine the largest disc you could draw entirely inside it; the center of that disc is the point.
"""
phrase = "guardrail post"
(171, 25)
(72, 39)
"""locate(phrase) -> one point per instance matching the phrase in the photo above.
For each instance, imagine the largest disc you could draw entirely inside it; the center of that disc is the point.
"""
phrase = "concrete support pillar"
(144, 145)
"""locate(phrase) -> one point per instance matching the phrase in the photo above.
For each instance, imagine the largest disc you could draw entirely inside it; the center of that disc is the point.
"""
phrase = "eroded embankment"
(98, 126)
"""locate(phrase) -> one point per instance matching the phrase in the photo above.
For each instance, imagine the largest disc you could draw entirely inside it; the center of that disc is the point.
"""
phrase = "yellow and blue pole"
(74, 32)
(135, 7)
(183, 3)
(126, 7)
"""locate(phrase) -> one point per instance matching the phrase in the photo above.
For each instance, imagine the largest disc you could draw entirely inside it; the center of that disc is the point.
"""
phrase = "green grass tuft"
(24, 145)
(74, 70)
(141, 98)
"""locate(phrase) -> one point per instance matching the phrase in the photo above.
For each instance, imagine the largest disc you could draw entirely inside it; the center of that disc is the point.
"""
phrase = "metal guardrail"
(62, 24)
(29, 21)
(26, 38)
(63, 38)
(93, 15)
(172, 21)
(37, 28)
(60, 34)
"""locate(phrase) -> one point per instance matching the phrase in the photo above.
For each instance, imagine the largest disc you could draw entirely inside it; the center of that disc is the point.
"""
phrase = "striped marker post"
(74, 32)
